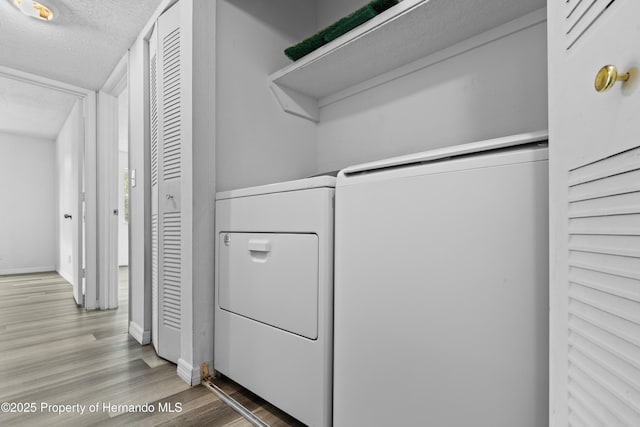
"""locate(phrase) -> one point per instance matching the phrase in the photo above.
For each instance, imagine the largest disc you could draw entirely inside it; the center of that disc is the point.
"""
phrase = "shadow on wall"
(270, 13)
(461, 99)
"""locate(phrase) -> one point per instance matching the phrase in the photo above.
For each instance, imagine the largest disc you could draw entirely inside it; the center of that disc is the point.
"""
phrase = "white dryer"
(274, 293)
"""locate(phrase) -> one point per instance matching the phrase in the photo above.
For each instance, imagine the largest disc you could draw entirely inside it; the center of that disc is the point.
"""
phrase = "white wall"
(494, 90)
(329, 11)
(140, 194)
(459, 100)
(255, 142)
(28, 213)
(67, 155)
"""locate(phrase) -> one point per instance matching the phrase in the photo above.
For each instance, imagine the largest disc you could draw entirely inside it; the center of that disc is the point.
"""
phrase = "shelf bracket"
(296, 103)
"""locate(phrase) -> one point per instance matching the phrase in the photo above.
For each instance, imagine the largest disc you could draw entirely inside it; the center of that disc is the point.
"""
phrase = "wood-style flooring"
(55, 353)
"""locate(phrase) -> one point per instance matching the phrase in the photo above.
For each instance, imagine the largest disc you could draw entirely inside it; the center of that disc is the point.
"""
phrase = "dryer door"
(271, 278)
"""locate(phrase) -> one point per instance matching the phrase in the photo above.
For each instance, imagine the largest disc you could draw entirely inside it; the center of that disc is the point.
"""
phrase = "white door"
(71, 149)
(166, 170)
(594, 214)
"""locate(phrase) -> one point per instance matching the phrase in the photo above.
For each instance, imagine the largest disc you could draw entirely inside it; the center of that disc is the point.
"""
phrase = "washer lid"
(448, 152)
(280, 187)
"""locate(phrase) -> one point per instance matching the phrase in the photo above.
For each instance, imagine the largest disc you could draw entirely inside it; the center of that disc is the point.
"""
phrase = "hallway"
(52, 352)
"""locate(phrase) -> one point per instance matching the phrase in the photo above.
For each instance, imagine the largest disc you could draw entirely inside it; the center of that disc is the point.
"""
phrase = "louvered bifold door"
(169, 170)
(594, 186)
(153, 100)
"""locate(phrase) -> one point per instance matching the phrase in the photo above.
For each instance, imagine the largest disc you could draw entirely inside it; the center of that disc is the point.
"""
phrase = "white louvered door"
(594, 214)
(153, 100)
(166, 170)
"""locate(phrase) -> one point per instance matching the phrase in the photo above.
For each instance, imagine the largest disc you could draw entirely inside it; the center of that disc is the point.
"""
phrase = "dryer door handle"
(259, 245)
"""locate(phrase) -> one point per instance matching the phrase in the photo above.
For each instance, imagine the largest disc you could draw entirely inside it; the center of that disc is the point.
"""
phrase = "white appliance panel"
(271, 278)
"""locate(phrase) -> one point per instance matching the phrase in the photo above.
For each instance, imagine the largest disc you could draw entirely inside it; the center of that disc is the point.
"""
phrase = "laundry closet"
(417, 77)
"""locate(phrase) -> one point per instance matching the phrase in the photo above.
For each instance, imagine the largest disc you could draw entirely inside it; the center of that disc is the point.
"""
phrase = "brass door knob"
(607, 78)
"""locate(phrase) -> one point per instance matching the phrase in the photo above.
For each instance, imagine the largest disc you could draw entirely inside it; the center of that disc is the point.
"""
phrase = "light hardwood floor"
(53, 352)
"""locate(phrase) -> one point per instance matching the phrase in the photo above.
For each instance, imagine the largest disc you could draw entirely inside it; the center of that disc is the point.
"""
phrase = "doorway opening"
(74, 162)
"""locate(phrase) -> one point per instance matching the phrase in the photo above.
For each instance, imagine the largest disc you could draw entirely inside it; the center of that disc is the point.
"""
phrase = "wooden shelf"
(403, 34)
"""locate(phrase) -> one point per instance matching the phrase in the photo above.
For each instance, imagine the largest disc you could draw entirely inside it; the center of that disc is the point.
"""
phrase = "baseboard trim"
(188, 374)
(139, 334)
(27, 270)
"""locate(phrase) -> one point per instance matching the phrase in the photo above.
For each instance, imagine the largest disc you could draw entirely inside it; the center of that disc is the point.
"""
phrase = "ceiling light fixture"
(34, 9)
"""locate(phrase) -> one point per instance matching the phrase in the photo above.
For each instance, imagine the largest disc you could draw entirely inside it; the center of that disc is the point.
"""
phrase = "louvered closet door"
(168, 170)
(153, 99)
(595, 214)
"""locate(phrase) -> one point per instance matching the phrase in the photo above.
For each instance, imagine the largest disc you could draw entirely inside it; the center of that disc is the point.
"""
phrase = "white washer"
(442, 288)
(274, 293)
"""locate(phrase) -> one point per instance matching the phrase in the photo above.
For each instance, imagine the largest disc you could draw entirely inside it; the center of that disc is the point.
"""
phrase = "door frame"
(87, 240)
(108, 182)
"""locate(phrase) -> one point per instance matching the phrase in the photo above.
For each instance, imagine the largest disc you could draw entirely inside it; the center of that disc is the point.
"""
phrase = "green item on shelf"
(307, 45)
(348, 23)
(338, 28)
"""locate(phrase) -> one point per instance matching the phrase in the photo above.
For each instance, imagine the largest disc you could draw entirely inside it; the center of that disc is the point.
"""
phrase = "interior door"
(594, 214)
(166, 156)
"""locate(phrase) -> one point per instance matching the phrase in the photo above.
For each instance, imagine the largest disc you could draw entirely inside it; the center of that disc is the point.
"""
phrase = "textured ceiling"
(80, 46)
(26, 109)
